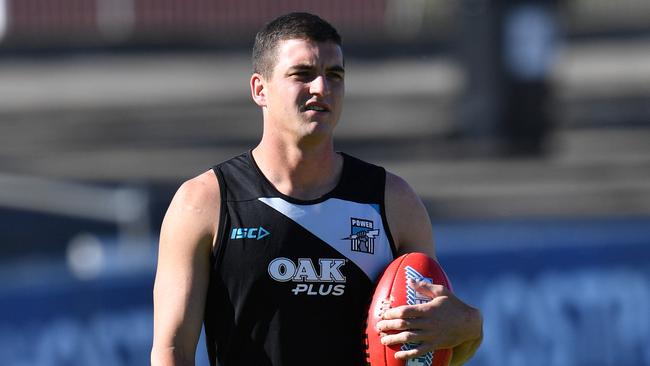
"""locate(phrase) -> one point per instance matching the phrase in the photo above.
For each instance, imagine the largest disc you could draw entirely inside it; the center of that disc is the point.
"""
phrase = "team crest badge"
(362, 235)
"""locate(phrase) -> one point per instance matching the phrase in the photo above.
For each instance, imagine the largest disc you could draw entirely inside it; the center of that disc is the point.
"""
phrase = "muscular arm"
(461, 324)
(182, 275)
(408, 219)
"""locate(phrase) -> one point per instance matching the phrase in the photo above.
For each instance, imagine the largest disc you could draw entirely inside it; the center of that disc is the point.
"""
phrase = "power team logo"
(362, 236)
(326, 280)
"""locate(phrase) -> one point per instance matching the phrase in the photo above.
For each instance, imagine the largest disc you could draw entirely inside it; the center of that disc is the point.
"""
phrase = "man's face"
(304, 95)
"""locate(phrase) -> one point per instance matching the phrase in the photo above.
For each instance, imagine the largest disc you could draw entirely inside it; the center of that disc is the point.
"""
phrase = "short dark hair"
(289, 26)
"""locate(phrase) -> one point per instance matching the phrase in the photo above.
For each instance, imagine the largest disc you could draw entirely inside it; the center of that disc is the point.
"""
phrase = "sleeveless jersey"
(291, 280)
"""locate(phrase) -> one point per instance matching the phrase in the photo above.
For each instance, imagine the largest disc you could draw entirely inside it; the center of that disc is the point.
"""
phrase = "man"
(276, 250)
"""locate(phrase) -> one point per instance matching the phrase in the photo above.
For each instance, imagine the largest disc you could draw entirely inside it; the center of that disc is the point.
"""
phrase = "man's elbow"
(171, 356)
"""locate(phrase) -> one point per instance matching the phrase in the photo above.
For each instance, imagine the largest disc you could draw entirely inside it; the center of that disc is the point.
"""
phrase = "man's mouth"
(315, 107)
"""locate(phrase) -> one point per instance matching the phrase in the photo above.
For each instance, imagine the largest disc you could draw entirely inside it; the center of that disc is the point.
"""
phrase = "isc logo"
(249, 233)
(284, 269)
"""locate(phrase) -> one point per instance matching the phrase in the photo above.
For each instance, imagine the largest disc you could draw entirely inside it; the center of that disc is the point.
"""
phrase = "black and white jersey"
(291, 280)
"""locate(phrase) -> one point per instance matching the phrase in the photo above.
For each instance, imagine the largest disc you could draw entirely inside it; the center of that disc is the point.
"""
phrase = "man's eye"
(335, 76)
(301, 74)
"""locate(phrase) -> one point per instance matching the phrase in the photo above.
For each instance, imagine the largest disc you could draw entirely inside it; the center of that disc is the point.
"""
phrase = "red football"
(392, 291)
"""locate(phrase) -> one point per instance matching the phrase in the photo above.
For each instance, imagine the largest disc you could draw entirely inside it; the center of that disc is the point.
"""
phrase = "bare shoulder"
(200, 189)
(400, 196)
(397, 186)
(196, 204)
(407, 217)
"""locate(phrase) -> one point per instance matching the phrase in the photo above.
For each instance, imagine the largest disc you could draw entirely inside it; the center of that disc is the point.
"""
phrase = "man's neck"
(302, 173)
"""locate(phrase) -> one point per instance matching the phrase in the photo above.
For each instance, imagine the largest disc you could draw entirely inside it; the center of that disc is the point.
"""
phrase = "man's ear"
(258, 89)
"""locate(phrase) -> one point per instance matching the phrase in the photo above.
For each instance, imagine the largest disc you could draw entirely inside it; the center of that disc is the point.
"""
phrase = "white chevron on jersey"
(330, 222)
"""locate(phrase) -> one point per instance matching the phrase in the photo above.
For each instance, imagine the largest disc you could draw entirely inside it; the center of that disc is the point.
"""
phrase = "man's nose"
(319, 86)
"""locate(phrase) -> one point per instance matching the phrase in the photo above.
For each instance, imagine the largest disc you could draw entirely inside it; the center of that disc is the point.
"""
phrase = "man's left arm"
(445, 321)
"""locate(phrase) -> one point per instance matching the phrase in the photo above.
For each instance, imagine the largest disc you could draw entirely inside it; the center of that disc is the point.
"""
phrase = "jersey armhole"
(218, 247)
(384, 218)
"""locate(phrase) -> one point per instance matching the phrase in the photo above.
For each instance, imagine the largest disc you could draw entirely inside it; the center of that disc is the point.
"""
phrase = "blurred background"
(524, 126)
